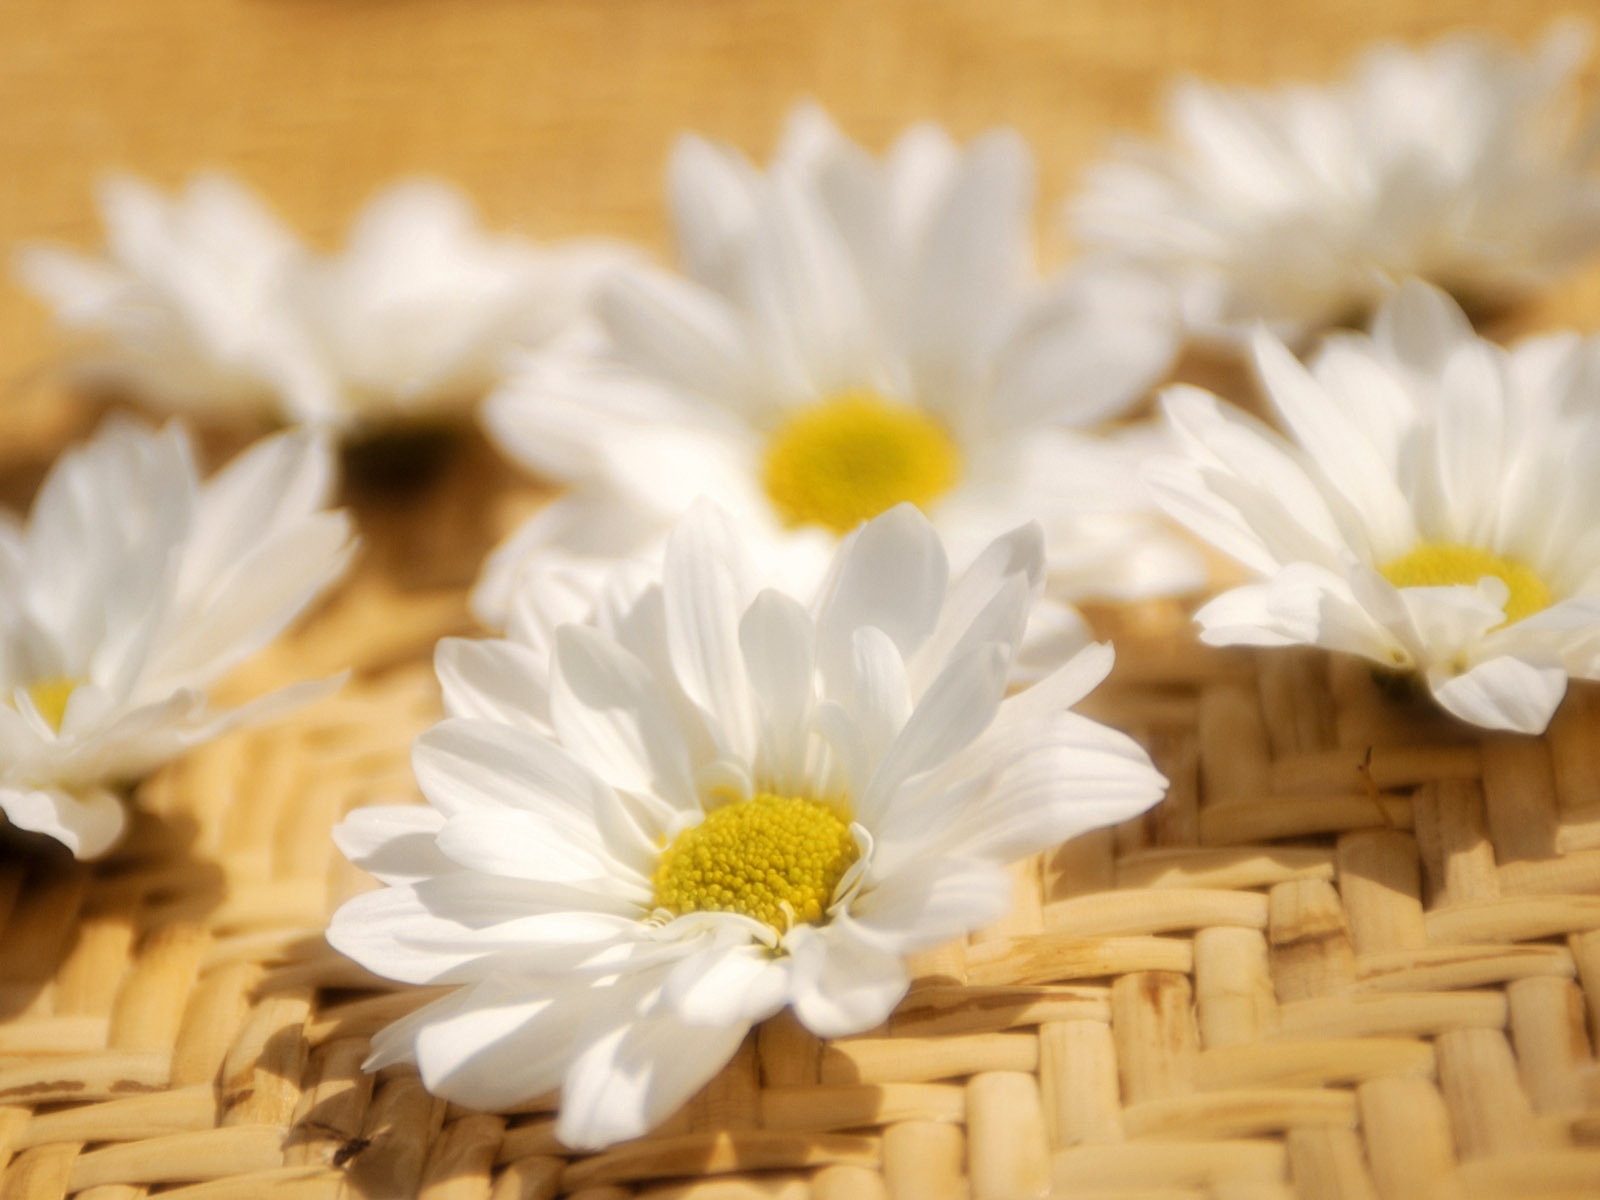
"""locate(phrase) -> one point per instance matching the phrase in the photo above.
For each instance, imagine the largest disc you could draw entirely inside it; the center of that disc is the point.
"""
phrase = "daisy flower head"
(1461, 162)
(187, 310)
(206, 303)
(413, 318)
(1433, 512)
(848, 334)
(132, 588)
(713, 801)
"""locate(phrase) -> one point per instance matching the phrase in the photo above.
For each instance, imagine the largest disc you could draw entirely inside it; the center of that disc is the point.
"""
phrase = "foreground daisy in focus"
(715, 801)
(850, 334)
(1301, 207)
(1435, 513)
(132, 589)
(206, 303)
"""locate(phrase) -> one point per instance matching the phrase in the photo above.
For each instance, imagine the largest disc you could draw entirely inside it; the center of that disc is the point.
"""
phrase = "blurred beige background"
(557, 115)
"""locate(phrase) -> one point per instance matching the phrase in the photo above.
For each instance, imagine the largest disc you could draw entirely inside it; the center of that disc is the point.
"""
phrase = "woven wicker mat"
(1347, 957)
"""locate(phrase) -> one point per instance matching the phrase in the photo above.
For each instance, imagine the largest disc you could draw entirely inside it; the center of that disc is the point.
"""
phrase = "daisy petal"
(1503, 693)
(955, 709)
(492, 681)
(1344, 451)
(1008, 572)
(672, 330)
(1420, 327)
(526, 844)
(394, 843)
(397, 1042)
(930, 902)
(501, 1044)
(706, 586)
(88, 823)
(728, 984)
(636, 1074)
(1087, 350)
(1071, 776)
(890, 574)
(267, 591)
(474, 766)
(571, 536)
(972, 266)
(608, 710)
(458, 928)
(881, 695)
(1063, 687)
(843, 985)
(713, 194)
(1469, 446)
(299, 468)
(776, 638)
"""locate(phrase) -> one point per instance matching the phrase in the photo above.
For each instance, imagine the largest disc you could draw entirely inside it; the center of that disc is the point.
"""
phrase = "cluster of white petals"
(562, 784)
(132, 588)
(205, 303)
(1435, 511)
(835, 284)
(1462, 163)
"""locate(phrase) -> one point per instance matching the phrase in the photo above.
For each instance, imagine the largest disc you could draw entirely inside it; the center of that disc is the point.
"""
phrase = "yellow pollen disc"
(1440, 564)
(776, 859)
(853, 456)
(50, 697)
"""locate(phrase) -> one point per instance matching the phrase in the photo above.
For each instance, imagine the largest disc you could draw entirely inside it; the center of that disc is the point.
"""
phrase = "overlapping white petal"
(207, 303)
(1462, 162)
(132, 589)
(534, 882)
(833, 273)
(1460, 444)
(413, 319)
(187, 309)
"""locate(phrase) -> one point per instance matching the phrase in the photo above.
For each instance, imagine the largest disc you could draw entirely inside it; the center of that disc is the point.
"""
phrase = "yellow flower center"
(853, 456)
(1440, 564)
(50, 697)
(776, 859)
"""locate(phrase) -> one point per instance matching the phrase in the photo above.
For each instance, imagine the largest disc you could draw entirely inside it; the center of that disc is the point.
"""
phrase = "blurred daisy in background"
(206, 303)
(849, 334)
(186, 310)
(1463, 163)
(1435, 511)
(414, 318)
(715, 801)
(132, 589)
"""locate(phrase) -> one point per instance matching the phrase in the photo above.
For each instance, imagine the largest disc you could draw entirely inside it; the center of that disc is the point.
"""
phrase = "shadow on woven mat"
(66, 923)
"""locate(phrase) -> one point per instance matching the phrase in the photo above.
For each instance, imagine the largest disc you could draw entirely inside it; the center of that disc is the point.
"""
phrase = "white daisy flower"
(207, 304)
(850, 334)
(1303, 206)
(1435, 513)
(414, 318)
(714, 802)
(132, 588)
(188, 309)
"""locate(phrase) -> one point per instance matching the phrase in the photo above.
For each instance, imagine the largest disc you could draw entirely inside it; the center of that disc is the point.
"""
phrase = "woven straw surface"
(1356, 952)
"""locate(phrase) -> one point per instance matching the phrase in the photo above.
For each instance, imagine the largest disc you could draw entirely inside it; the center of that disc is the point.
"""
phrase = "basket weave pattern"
(1355, 953)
